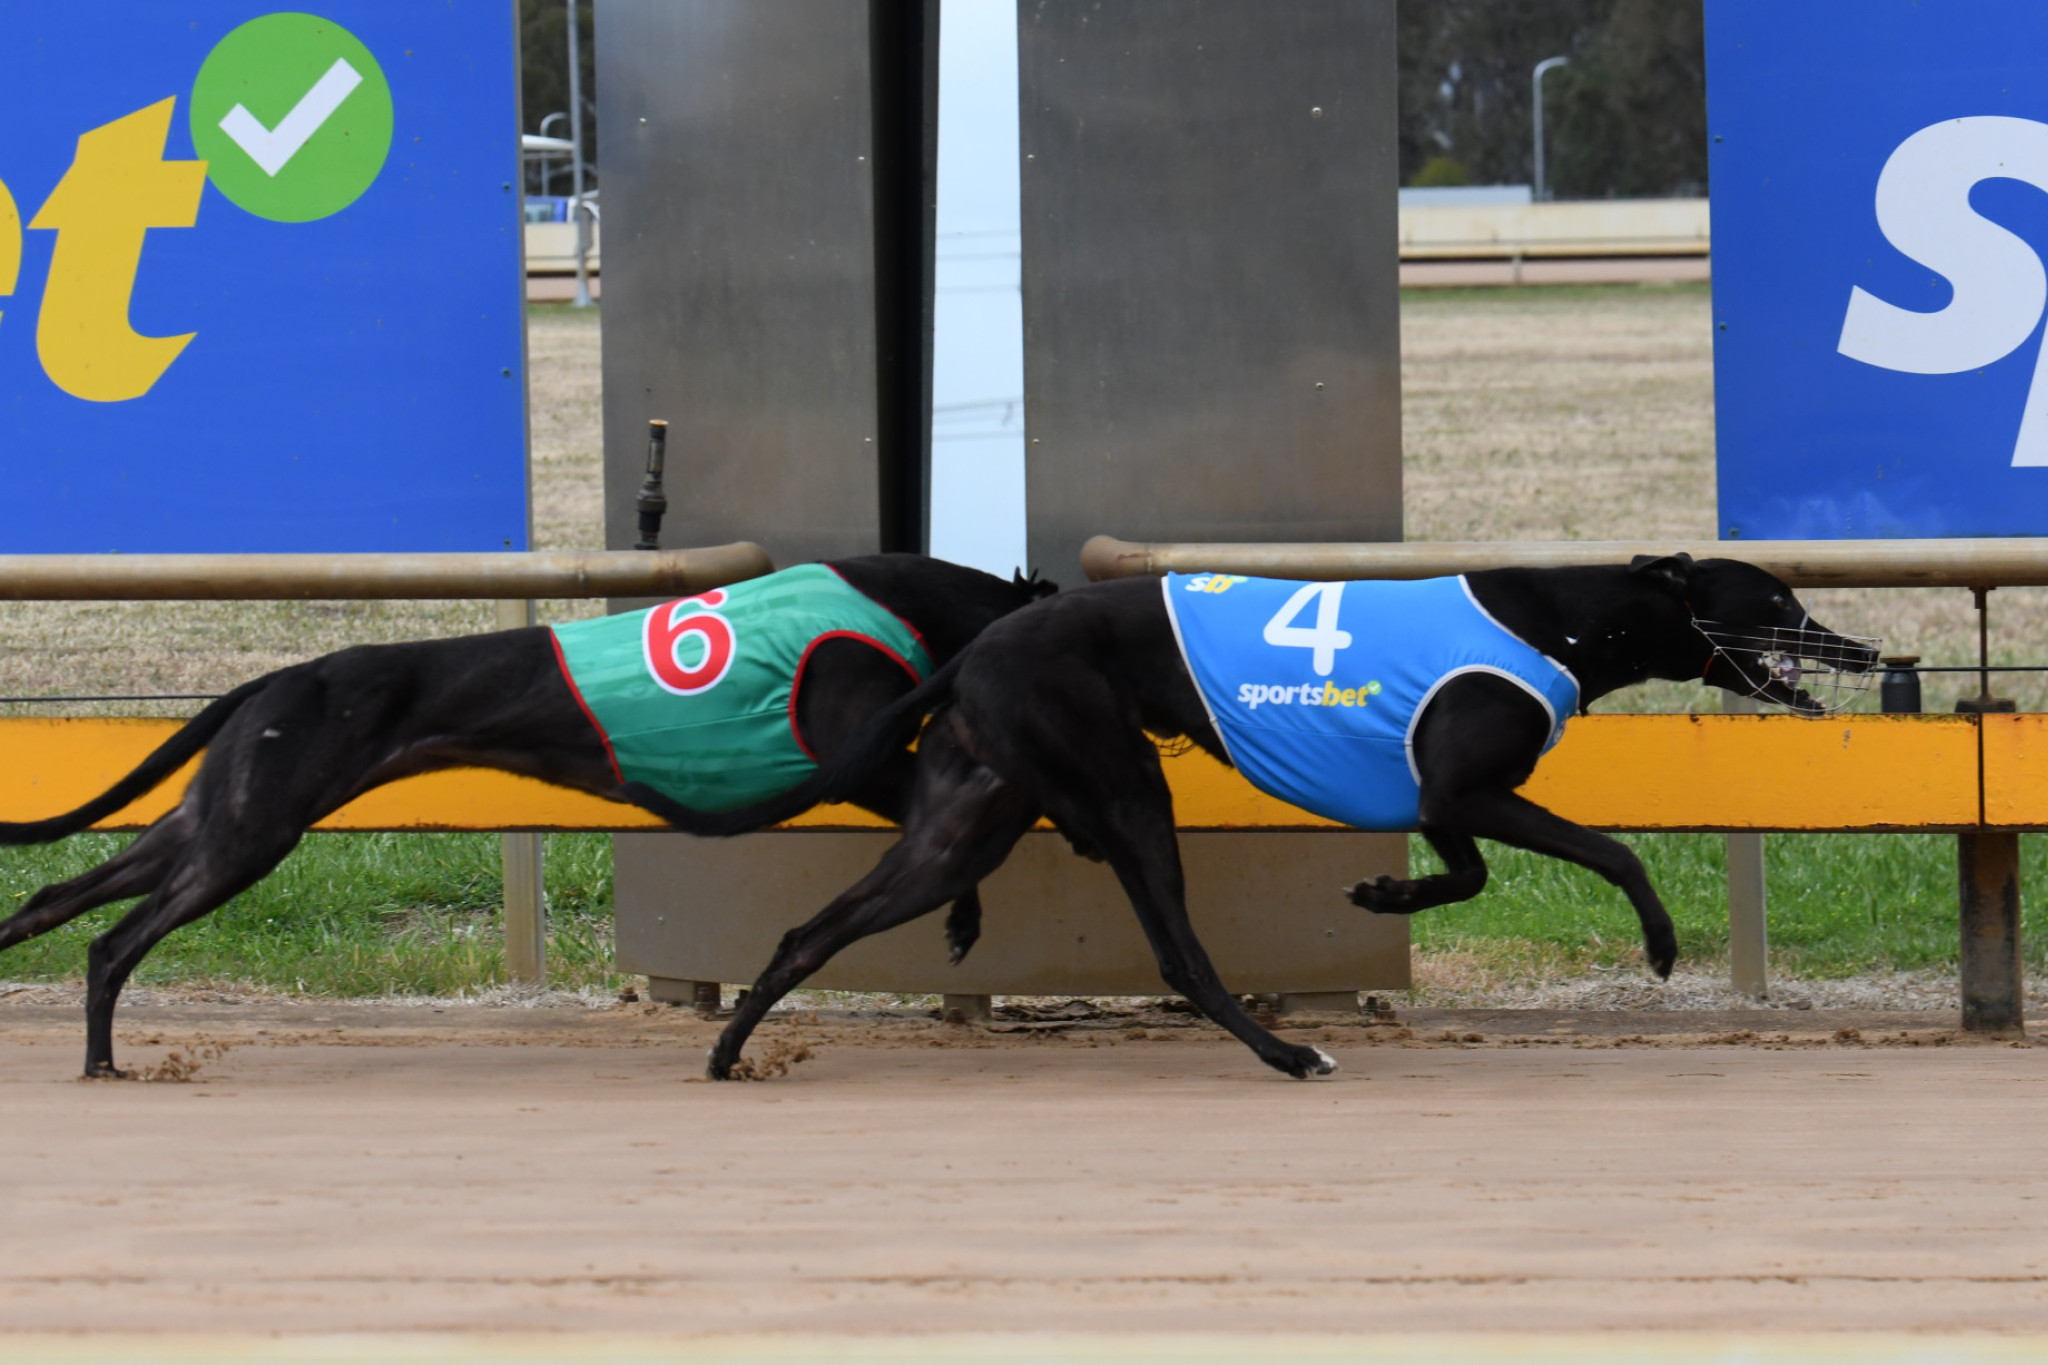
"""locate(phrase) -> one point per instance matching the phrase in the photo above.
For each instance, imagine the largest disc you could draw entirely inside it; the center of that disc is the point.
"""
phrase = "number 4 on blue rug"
(1324, 637)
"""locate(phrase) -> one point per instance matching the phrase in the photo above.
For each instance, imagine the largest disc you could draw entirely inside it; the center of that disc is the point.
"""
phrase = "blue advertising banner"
(260, 284)
(1878, 219)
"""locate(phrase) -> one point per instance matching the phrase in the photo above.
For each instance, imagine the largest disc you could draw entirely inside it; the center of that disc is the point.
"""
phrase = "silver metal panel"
(1267, 906)
(739, 270)
(1211, 289)
(740, 297)
(739, 301)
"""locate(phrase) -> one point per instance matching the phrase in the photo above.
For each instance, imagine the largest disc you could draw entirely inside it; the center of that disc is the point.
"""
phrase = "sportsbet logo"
(293, 117)
(1255, 695)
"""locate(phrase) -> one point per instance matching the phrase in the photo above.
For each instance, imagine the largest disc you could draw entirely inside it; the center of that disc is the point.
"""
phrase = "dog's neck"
(946, 604)
(1609, 627)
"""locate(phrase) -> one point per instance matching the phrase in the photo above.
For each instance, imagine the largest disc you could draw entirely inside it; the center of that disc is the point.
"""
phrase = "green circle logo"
(293, 117)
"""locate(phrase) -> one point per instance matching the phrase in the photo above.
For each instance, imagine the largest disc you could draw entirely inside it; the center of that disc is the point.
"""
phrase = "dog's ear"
(1673, 572)
(1033, 587)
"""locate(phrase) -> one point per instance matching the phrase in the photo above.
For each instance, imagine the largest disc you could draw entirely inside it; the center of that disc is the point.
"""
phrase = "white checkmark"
(272, 148)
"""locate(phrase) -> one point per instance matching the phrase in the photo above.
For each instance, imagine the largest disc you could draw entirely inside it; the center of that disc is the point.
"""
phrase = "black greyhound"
(1055, 709)
(289, 748)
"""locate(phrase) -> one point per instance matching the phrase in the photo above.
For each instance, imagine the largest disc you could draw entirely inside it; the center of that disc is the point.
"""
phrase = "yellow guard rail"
(1710, 772)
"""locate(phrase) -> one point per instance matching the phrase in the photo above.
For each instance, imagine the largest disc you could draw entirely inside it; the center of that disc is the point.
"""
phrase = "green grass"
(376, 914)
(347, 915)
(1839, 904)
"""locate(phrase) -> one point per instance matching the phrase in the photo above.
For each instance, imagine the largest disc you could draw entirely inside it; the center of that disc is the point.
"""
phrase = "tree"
(1626, 117)
(544, 67)
(1631, 113)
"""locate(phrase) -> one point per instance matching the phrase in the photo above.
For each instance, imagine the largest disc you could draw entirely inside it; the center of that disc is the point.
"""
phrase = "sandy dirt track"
(377, 1168)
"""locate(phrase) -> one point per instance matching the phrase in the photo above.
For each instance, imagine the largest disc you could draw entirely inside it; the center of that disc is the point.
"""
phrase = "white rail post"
(526, 928)
(1748, 936)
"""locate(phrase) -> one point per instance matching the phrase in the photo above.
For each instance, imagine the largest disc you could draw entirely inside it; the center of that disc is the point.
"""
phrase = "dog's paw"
(1306, 1063)
(714, 1069)
(1383, 896)
(1663, 956)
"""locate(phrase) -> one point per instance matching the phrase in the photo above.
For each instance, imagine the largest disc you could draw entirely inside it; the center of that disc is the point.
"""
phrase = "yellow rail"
(1613, 772)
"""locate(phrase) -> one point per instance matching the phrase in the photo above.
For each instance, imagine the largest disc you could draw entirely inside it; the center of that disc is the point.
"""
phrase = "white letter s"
(1923, 209)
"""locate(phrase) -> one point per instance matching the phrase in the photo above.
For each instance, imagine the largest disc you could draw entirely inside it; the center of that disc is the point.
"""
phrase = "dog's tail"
(888, 731)
(169, 756)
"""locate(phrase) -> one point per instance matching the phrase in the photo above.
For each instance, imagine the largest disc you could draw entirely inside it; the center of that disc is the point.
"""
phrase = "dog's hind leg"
(1463, 877)
(962, 825)
(268, 775)
(888, 794)
(222, 863)
(963, 926)
(134, 871)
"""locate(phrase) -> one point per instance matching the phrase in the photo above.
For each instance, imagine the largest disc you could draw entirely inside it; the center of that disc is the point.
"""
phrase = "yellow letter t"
(118, 187)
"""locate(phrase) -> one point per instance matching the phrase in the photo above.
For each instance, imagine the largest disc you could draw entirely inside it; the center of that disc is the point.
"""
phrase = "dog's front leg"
(1506, 816)
(1137, 838)
(1463, 877)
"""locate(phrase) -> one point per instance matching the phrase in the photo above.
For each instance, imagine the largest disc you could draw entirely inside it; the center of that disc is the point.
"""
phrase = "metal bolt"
(1319, 384)
(1316, 112)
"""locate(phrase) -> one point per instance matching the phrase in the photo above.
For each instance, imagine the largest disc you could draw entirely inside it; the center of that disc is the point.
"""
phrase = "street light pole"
(576, 205)
(1542, 186)
(547, 163)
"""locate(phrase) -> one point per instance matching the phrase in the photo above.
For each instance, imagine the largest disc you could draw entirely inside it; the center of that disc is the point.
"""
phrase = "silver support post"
(525, 914)
(577, 206)
(1748, 935)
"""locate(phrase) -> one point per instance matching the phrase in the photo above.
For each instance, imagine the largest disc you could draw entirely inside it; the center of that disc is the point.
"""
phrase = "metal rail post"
(1988, 864)
(1748, 922)
(526, 930)
(1988, 875)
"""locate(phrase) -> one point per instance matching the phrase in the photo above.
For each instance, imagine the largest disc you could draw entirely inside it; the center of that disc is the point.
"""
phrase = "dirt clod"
(181, 1066)
(775, 1060)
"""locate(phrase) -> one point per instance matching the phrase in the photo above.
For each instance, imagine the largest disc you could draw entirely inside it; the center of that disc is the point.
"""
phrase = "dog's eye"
(1779, 601)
